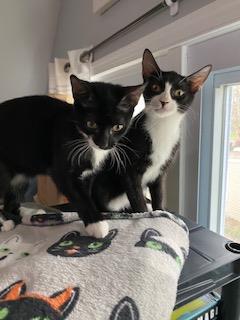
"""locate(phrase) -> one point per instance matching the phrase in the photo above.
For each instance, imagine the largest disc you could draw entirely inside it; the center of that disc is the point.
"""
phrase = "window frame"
(213, 147)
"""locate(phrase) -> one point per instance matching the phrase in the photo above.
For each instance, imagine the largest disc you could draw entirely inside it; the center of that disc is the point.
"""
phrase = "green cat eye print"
(178, 260)
(4, 249)
(40, 318)
(3, 313)
(95, 245)
(153, 245)
(65, 243)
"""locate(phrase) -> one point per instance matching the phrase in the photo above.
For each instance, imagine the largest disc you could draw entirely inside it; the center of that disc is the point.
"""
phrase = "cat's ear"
(125, 309)
(149, 65)
(197, 79)
(14, 291)
(70, 235)
(64, 301)
(111, 234)
(13, 240)
(132, 95)
(150, 233)
(81, 89)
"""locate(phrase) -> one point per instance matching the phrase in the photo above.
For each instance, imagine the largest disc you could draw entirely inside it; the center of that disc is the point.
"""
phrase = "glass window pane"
(232, 204)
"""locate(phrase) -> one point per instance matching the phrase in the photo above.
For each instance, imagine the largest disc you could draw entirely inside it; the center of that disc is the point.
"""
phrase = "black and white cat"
(151, 143)
(42, 135)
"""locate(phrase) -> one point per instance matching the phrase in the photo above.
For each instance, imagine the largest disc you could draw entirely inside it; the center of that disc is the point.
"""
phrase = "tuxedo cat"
(43, 135)
(151, 143)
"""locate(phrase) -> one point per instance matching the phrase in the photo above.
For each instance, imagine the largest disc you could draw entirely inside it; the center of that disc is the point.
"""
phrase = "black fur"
(137, 144)
(39, 133)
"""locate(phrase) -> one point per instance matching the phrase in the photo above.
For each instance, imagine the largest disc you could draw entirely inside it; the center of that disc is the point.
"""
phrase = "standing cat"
(43, 135)
(151, 143)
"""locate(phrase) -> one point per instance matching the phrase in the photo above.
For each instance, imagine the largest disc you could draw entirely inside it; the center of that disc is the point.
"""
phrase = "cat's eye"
(4, 313)
(95, 245)
(117, 127)
(65, 243)
(155, 88)
(91, 124)
(4, 249)
(153, 245)
(178, 93)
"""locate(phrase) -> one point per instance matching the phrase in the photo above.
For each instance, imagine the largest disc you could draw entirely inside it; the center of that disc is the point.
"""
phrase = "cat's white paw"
(8, 225)
(98, 229)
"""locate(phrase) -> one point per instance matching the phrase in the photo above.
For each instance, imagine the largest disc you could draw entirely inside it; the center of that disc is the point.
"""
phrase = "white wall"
(27, 32)
(79, 27)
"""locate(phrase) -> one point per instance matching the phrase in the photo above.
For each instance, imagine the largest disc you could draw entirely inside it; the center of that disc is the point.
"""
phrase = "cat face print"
(126, 309)
(168, 93)
(151, 239)
(15, 301)
(103, 111)
(73, 244)
(15, 249)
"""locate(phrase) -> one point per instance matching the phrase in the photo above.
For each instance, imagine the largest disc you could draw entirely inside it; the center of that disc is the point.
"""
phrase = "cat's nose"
(164, 103)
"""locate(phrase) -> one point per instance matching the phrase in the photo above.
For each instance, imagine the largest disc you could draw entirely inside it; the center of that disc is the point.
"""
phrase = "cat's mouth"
(2, 258)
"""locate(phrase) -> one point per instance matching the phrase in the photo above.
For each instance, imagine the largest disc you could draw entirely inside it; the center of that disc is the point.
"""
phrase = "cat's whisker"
(126, 138)
(129, 148)
(124, 153)
(72, 152)
(82, 153)
(118, 159)
(75, 151)
(138, 119)
(75, 141)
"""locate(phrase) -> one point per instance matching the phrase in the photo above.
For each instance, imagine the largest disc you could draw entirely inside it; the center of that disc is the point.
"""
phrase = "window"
(232, 196)
(219, 178)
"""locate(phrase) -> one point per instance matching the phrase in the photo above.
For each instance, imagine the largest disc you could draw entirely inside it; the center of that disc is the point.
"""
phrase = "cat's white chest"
(164, 133)
(98, 157)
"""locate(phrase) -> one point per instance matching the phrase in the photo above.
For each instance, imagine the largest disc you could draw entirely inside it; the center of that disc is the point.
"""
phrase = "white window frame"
(214, 144)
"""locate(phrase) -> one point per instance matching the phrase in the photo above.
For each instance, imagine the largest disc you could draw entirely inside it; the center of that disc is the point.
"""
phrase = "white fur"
(18, 179)
(119, 203)
(164, 133)
(7, 225)
(98, 229)
(163, 126)
(99, 156)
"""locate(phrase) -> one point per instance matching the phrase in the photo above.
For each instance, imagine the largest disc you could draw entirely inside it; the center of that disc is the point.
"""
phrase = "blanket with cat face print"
(59, 272)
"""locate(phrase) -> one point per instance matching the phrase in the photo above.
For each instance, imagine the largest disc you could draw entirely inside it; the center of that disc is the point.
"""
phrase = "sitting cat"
(150, 144)
(43, 135)
(17, 304)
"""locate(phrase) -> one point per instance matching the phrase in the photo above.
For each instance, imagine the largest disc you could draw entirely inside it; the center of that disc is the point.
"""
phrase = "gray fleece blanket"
(58, 272)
